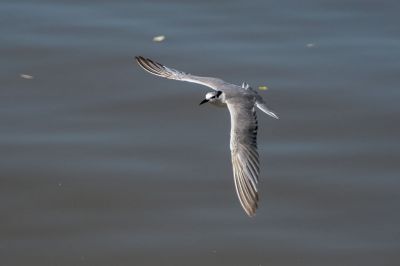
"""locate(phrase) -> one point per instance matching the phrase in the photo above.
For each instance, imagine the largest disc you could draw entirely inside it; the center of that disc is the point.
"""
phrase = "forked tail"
(263, 107)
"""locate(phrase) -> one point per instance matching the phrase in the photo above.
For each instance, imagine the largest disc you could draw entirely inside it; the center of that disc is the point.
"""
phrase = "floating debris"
(159, 38)
(310, 45)
(262, 88)
(26, 76)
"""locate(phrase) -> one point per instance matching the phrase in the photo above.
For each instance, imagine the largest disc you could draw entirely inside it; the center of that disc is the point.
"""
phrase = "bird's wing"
(243, 145)
(170, 73)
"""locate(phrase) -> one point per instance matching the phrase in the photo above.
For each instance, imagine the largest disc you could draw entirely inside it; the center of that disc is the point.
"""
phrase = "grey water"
(104, 164)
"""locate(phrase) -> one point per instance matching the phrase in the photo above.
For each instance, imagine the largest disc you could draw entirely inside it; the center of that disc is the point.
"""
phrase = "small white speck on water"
(59, 184)
(159, 38)
(26, 76)
(310, 45)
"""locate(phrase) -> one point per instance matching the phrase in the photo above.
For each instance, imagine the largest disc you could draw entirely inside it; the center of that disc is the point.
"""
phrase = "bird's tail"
(263, 107)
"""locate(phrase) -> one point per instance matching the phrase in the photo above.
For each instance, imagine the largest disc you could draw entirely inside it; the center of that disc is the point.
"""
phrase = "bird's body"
(241, 102)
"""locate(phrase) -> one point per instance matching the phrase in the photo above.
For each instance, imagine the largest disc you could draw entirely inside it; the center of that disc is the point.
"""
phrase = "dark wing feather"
(245, 159)
(162, 71)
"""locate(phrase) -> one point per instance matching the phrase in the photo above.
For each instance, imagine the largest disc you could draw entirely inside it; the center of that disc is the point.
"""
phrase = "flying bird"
(241, 102)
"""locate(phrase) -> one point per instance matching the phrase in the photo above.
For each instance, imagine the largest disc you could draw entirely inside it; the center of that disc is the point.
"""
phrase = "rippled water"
(104, 164)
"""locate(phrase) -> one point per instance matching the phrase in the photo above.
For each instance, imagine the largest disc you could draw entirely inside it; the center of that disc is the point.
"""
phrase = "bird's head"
(212, 97)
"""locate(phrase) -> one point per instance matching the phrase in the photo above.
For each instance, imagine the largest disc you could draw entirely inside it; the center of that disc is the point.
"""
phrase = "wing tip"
(151, 66)
(251, 212)
(139, 58)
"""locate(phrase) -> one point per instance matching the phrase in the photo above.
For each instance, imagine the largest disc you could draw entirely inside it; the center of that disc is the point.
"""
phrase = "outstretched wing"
(170, 73)
(245, 162)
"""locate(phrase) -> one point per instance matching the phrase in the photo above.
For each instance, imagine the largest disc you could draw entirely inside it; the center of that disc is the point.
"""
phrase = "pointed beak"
(204, 101)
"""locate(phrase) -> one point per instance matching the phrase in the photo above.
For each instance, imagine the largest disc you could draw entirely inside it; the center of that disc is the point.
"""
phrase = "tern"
(241, 102)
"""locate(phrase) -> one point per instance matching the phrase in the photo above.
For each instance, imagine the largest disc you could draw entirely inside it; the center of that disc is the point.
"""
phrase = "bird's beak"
(204, 101)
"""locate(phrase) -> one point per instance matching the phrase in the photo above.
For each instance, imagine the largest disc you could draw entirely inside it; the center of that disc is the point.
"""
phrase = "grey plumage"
(241, 102)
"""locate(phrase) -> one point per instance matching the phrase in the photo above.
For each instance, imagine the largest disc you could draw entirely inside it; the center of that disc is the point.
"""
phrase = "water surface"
(104, 164)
